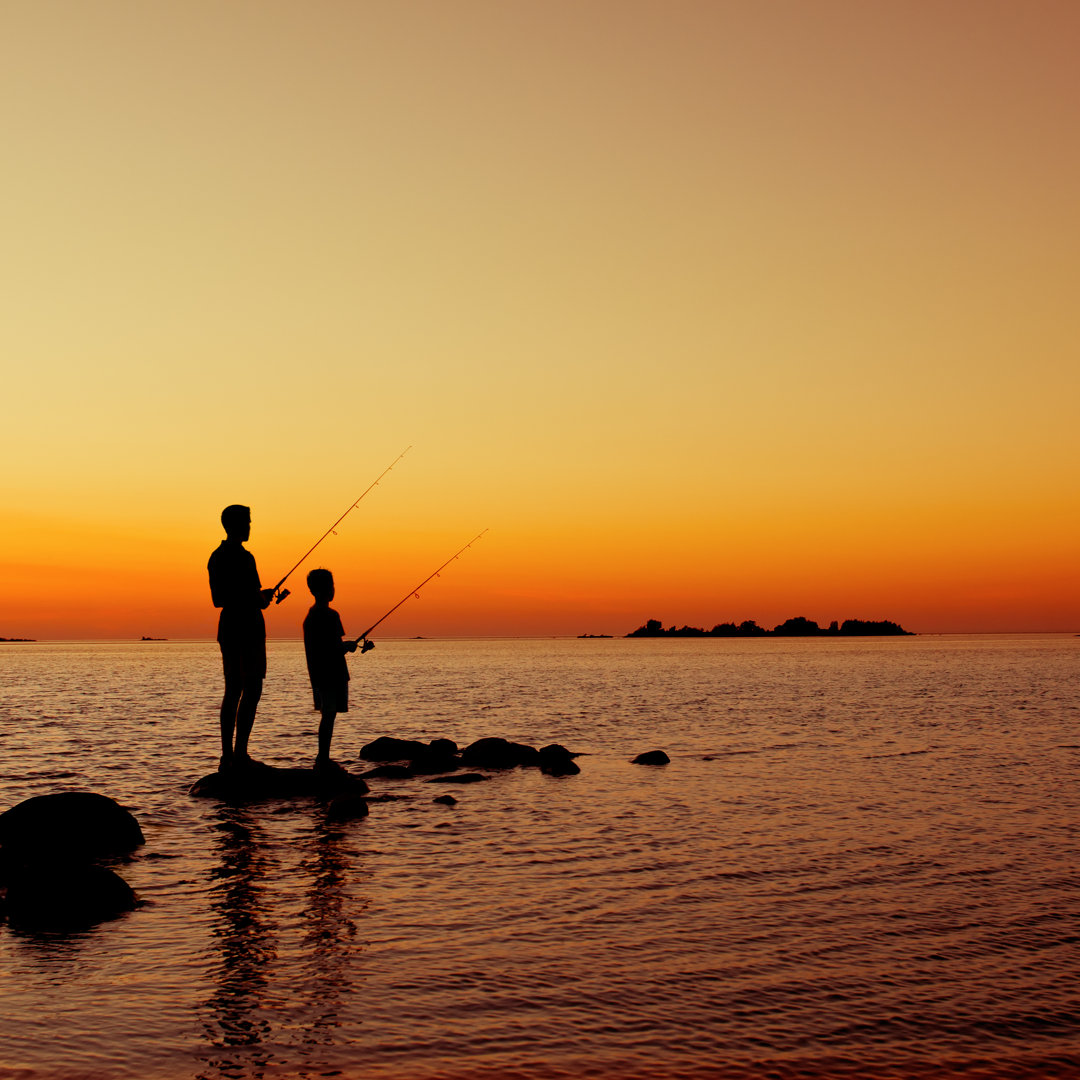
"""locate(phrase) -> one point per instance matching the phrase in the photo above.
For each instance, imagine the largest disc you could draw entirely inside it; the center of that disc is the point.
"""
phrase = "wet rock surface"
(257, 781)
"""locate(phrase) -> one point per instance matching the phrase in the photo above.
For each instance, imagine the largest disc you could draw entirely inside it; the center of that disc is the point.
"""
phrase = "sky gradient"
(709, 311)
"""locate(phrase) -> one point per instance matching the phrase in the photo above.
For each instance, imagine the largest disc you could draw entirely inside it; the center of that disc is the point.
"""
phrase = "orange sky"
(709, 310)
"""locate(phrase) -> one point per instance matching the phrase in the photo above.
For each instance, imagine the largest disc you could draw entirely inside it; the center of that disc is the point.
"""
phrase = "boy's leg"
(326, 734)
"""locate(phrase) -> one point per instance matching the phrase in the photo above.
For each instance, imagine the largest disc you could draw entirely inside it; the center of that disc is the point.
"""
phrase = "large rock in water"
(386, 748)
(48, 848)
(495, 753)
(258, 782)
(68, 825)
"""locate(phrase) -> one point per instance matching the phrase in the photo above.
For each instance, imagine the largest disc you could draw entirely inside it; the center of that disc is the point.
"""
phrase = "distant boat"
(145, 638)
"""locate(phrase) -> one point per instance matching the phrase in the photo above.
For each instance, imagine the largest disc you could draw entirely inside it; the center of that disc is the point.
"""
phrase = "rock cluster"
(439, 761)
(53, 855)
(402, 758)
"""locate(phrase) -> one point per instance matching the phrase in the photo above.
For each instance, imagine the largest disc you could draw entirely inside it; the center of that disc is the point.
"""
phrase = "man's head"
(236, 521)
(321, 584)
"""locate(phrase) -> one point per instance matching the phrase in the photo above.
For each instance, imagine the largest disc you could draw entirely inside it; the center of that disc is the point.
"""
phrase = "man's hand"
(265, 596)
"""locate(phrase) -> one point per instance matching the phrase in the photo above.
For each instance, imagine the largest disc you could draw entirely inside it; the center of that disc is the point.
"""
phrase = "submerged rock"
(388, 772)
(69, 825)
(432, 762)
(458, 778)
(257, 782)
(446, 800)
(651, 757)
(348, 807)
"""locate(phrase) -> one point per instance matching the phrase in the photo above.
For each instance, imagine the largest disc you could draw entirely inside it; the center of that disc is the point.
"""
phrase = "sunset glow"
(708, 311)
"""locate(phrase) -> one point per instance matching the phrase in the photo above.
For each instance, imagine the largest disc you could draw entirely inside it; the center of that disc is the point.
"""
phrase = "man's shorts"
(332, 695)
(244, 661)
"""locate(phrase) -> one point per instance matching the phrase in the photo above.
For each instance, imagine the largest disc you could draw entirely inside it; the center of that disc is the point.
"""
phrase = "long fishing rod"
(416, 592)
(281, 594)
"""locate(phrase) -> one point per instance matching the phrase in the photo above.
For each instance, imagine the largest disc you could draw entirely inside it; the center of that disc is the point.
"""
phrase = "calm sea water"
(862, 861)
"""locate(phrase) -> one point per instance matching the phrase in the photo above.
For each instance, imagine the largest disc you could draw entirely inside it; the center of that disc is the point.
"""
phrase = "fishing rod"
(279, 593)
(415, 592)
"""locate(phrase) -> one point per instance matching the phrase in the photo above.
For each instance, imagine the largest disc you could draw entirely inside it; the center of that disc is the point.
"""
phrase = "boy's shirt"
(323, 647)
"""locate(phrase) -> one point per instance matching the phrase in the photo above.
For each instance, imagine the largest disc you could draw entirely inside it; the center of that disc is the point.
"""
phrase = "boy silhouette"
(235, 588)
(325, 649)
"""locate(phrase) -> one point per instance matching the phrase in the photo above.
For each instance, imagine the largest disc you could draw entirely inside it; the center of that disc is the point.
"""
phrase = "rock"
(458, 778)
(385, 748)
(349, 807)
(495, 753)
(388, 772)
(258, 782)
(446, 800)
(651, 757)
(68, 825)
(434, 762)
(556, 760)
(445, 747)
(66, 896)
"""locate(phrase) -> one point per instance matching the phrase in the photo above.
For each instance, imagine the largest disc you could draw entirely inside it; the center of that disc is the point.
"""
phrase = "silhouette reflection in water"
(286, 946)
(245, 939)
(330, 943)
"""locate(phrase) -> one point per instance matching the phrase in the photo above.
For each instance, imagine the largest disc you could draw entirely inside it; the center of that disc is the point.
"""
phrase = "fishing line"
(416, 592)
(280, 593)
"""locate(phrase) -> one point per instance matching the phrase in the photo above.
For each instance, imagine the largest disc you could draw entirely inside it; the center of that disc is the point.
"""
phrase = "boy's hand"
(367, 645)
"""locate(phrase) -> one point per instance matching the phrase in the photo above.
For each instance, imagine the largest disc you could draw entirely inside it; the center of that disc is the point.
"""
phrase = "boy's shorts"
(334, 695)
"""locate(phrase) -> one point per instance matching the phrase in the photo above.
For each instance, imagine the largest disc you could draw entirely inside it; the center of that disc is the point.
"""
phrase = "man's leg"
(228, 719)
(245, 716)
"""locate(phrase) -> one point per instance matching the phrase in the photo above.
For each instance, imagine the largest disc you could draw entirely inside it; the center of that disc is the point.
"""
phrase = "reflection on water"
(244, 935)
(330, 939)
(250, 1024)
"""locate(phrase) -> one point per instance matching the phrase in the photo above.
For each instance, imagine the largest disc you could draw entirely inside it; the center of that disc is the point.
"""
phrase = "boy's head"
(236, 521)
(321, 584)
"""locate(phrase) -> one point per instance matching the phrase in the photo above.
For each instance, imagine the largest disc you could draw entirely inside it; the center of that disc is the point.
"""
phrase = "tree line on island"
(796, 627)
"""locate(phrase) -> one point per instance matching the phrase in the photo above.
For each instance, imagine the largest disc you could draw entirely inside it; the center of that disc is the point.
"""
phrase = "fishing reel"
(282, 593)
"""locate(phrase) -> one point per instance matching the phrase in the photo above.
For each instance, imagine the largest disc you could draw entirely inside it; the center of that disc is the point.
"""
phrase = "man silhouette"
(235, 588)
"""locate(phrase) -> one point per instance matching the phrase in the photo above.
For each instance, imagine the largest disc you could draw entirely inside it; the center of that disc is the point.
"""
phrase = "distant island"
(145, 638)
(596, 635)
(797, 627)
(17, 639)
